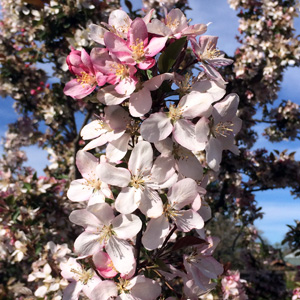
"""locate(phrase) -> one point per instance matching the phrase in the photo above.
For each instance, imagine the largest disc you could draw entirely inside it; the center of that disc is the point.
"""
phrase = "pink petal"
(138, 32)
(202, 130)
(126, 86)
(118, 47)
(140, 103)
(78, 90)
(71, 292)
(155, 82)
(155, 45)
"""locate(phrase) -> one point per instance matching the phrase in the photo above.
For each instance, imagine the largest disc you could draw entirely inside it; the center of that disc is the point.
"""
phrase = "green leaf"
(149, 74)
(27, 186)
(168, 58)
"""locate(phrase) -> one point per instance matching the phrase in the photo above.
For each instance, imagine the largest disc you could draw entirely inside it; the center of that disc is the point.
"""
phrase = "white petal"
(93, 130)
(103, 212)
(156, 128)
(157, 230)
(145, 288)
(104, 291)
(113, 175)
(163, 169)
(87, 243)
(188, 220)
(184, 134)
(117, 149)
(126, 226)
(71, 292)
(183, 193)
(109, 96)
(215, 88)
(151, 204)
(84, 218)
(213, 151)
(226, 109)
(128, 200)
(121, 254)
(196, 104)
(86, 164)
(141, 159)
(79, 190)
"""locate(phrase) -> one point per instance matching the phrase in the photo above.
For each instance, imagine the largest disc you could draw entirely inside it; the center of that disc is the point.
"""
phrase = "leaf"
(149, 74)
(27, 186)
(169, 56)
(187, 241)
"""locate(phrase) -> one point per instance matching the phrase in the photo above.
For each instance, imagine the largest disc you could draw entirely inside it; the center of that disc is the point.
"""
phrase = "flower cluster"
(232, 286)
(142, 194)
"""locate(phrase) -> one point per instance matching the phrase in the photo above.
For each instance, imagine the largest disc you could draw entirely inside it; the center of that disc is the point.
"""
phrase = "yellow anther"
(223, 129)
(121, 70)
(86, 78)
(175, 113)
(172, 24)
(138, 50)
(83, 276)
(137, 182)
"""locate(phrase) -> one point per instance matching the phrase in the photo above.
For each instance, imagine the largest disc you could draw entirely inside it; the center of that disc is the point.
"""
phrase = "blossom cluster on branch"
(144, 189)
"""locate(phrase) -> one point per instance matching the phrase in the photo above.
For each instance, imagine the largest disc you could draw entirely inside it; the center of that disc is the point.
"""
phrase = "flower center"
(86, 78)
(172, 24)
(223, 129)
(138, 52)
(175, 113)
(106, 233)
(137, 182)
(95, 183)
(121, 70)
(122, 286)
(82, 275)
(170, 212)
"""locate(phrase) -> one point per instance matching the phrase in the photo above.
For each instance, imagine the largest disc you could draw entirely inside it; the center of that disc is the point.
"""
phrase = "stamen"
(223, 128)
(138, 50)
(86, 78)
(175, 113)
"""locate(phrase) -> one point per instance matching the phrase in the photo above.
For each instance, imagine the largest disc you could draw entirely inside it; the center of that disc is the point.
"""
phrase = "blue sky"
(279, 206)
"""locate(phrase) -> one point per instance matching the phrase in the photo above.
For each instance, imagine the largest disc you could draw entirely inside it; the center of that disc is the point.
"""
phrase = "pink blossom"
(175, 25)
(209, 56)
(88, 77)
(137, 49)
